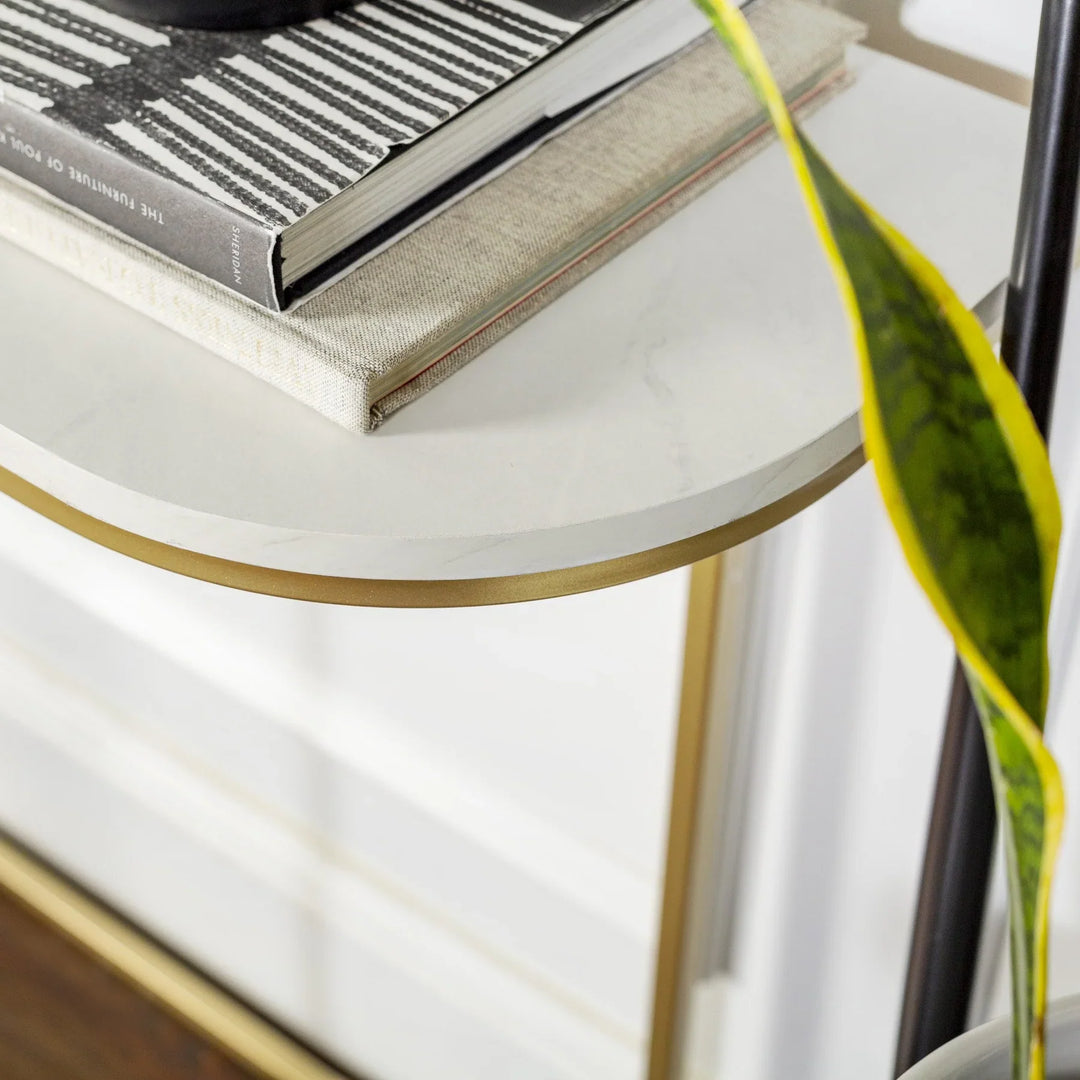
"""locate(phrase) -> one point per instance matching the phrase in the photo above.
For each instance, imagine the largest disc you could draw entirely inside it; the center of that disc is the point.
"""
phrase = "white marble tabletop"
(703, 374)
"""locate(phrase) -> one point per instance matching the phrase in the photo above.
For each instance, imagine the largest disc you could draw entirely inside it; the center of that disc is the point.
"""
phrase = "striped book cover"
(205, 146)
(395, 327)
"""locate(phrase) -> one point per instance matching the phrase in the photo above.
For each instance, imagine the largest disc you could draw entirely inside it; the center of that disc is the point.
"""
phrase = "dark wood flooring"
(65, 1017)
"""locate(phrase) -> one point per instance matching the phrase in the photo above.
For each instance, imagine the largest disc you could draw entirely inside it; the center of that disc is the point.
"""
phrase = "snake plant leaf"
(1028, 791)
(966, 481)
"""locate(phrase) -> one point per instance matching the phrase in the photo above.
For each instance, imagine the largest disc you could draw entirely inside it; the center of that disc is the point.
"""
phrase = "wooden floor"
(65, 1017)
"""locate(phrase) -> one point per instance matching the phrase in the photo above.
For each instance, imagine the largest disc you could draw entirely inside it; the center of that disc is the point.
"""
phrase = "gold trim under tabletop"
(466, 592)
(250, 1040)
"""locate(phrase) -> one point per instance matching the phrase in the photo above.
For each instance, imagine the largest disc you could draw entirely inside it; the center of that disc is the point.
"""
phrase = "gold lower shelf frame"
(253, 1042)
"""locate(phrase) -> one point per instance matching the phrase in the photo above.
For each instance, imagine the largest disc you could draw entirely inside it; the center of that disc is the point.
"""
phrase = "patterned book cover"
(204, 145)
(396, 326)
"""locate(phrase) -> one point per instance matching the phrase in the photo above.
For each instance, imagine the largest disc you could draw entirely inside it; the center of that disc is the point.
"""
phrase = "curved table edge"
(400, 593)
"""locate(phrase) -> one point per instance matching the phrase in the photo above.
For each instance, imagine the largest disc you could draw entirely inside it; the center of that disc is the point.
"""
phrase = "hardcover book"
(271, 161)
(396, 326)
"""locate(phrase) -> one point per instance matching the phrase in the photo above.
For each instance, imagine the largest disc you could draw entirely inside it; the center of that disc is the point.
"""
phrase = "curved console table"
(685, 397)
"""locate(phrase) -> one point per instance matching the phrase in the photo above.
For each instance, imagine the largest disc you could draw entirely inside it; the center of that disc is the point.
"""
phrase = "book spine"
(201, 234)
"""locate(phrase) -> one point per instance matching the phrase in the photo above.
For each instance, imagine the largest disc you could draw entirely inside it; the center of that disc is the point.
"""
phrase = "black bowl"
(222, 14)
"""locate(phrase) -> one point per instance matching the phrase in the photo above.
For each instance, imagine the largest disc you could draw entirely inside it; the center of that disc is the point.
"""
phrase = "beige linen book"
(414, 314)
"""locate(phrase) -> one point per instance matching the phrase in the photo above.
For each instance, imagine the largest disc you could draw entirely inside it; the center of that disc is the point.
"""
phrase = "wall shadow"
(888, 34)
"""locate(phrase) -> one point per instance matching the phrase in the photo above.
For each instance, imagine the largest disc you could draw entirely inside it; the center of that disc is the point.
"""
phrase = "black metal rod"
(952, 895)
(1046, 225)
(959, 847)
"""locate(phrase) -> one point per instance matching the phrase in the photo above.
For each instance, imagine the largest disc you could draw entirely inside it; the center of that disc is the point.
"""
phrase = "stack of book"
(353, 207)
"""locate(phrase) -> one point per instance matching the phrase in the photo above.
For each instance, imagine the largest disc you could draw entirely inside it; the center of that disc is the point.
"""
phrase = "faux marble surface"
(702, 374)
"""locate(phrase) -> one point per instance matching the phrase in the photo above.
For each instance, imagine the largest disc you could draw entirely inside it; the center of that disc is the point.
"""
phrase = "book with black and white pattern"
(396, 326)
(210, 146)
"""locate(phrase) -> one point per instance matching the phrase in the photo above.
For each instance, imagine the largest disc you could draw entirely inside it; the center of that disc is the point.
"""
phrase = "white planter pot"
(983, 1054)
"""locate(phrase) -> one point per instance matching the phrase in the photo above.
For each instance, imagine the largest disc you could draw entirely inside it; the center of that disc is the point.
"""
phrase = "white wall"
(861, 674)
(1002, 32)
(845, 770)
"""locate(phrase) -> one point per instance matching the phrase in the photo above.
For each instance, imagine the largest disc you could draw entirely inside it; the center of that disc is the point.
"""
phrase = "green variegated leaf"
(1029, 799)
(966, 480)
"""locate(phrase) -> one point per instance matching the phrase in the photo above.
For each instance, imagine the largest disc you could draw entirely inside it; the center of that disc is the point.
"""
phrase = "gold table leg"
(671, 992)
(705, 812)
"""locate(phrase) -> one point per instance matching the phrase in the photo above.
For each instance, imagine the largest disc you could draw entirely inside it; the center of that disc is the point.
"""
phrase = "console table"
(686, 397)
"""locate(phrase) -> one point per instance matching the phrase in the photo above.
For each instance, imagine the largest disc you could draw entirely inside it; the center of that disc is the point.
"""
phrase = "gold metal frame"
(702, 622)
(707, 807)
(239, 1032)
(419, 594)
